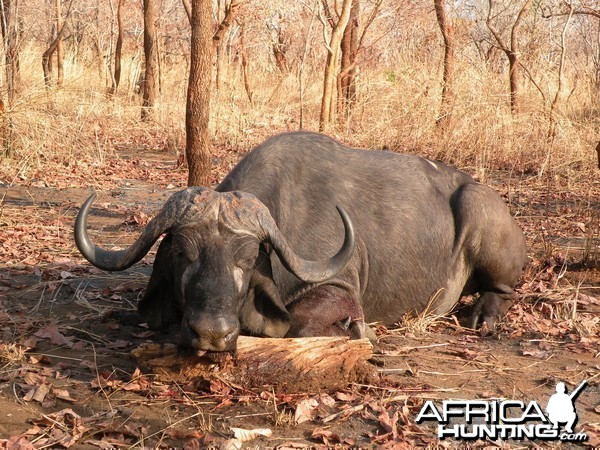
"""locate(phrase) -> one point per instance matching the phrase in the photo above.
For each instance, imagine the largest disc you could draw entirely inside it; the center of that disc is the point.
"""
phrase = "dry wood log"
(286, 365)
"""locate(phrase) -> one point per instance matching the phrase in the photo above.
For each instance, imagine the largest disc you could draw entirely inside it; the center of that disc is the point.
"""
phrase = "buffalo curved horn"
(312, 271)
(118, 259)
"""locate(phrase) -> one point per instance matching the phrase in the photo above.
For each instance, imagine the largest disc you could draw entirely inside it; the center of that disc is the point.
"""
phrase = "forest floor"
(67, 376)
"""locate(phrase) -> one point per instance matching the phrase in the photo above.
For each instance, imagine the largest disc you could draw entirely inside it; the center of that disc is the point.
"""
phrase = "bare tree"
(229, 9)
(188, 9)
(149, 83)
(586, 10)
(9, 23)
(560, 76)
(447, 30)
(302, 62)
(198, 95)
(333, 58)
(352, 42)
(348, 69)
(244, 58)
(511, 51)
(116, 79)
(59, 46)
(279, 42)
(55, 47)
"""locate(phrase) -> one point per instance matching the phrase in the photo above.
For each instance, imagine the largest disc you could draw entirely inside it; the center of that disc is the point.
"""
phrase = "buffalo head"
(212, 269)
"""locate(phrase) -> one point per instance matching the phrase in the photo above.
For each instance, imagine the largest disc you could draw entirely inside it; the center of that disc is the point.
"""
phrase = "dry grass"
(11, 354)
(396, 109)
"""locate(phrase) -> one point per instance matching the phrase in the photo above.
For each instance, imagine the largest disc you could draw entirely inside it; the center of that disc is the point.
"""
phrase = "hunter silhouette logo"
(507, 419)
(561, 408)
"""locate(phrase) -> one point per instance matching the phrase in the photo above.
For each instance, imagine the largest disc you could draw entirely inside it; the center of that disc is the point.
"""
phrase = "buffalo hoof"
(357, 329)
(490, 308)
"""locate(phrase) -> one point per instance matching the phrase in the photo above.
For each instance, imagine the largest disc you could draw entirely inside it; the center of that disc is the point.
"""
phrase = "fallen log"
(286, 365)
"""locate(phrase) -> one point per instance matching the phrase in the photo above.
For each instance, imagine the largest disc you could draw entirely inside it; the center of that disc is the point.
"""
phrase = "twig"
(361, 406)
(99, 379)
(166, 428)
(436, 373)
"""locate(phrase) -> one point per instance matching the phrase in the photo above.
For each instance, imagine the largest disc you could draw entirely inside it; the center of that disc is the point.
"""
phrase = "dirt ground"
(68, 379)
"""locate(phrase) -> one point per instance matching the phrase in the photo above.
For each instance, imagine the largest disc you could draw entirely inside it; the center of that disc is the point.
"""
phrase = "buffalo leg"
(490, 307)
(326, 311)
(494, 247)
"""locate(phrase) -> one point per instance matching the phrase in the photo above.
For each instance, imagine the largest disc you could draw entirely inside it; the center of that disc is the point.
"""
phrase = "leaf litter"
(67, 371)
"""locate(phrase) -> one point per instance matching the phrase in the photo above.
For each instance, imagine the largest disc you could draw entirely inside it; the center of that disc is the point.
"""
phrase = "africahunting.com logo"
(507, 419)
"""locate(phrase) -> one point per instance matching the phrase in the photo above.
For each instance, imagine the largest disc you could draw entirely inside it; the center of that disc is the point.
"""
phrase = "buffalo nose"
(213, 335)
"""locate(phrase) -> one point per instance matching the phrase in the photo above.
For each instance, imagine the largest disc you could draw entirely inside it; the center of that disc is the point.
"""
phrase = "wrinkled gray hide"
(421, 231)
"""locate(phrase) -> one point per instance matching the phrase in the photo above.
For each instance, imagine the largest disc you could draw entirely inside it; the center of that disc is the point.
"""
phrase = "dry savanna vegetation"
(94, 95)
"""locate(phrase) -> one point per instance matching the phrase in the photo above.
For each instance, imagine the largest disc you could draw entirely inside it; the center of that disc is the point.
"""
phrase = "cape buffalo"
(309, 237)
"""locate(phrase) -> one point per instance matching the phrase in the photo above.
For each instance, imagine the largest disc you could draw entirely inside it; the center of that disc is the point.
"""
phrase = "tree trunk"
(59, 47)
(52, 48)
(244, 58)
(348, 69)
(302, 64)
(444, 119)
(279, 48)
(229, 12)
(9, 16)
(290, 365)
(198, 95)
(514, 76)
(47, 59)
(331, 66)
(118, 49)
(511, 52)
(188, 9)
(561, 67)
(149, 87)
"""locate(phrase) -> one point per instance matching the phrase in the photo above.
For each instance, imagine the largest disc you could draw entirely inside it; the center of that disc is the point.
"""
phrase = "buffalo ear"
(158, 307)
(263, 313)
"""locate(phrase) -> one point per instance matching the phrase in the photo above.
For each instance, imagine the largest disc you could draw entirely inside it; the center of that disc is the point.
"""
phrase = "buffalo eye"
(245, 253)
(185, 247)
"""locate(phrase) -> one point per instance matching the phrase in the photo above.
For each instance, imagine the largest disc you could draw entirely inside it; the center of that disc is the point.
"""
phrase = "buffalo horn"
(313, 271)
(119, 259)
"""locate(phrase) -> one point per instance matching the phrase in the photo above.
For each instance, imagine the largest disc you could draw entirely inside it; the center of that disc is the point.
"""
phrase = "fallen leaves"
(66, 428)
(52, 333)
(556, 316)
(305, 410)
(244, 435)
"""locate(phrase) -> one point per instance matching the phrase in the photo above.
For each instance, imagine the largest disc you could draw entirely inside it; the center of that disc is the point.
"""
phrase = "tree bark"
(444, 119)
(228, 18)
(149, 86)
(118, 49)
(290, 365)
(229, 13)
(279, 47)
(9, 16)
(244, 59)
(332, 64)
(59, 47)
(348, 69)
(511, 51)
(302, 63)
(188, 9)
(561, 67)
(198, 95)
(47, 55)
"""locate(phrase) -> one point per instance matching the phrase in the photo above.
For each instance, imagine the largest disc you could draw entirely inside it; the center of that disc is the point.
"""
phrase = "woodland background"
(96, 95)
(71, 88)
